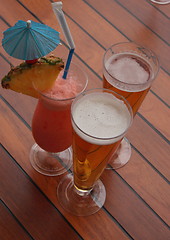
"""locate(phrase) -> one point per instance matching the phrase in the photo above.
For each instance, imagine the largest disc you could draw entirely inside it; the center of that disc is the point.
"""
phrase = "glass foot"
(80, 203)
(122, 155)
(161, 1)
(50, 164)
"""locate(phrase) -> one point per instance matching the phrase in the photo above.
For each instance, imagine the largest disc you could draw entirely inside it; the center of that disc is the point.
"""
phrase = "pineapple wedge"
(40, 75)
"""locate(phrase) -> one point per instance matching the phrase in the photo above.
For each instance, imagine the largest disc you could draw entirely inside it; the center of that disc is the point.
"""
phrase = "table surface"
(138, 199)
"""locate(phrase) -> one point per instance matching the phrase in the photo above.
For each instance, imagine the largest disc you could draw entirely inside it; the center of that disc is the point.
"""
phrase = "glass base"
(122, 155)
(80, 203)
(161, 1)
(50, 164)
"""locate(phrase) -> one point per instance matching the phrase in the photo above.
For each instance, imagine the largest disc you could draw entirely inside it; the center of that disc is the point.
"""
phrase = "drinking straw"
(57, 8)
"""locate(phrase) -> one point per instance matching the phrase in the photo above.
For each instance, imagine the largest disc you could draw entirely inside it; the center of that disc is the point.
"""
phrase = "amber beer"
(89, 161)
(100, 120)
(129, 70)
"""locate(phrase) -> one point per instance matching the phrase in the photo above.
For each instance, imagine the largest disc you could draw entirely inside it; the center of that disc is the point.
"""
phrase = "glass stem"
(82, 192)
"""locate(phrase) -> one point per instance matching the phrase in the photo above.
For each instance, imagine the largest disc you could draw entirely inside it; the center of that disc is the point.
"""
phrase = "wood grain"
(113, 12)
(38, 216)
(137, 218)
(10, 228)
(150, 114)
(16, 135)
(97, 52)
(152, 196)
(138, 197)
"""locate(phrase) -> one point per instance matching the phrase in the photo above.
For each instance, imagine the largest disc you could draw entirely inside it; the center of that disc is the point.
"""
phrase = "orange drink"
(129, 70)
(100, 119)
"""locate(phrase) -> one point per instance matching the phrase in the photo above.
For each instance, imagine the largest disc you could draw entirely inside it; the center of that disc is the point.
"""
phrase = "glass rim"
(161, 2)
(114, 93)
(43, 94)
(131, 84)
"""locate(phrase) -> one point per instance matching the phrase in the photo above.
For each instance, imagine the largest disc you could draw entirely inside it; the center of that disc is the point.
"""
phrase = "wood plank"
(160, 81)
(156, 196)
(9, 227)
(150, 145)
(85, 17)
(163, 109)
(137, 195)
(161, 128)
(160, 85)
(156, 153)
(144, 102)
(134, 215)
(138, 33)
(152, 188)
(31, 207)
(21, 102)
(140, 135)
(156, 113)
(164, 9)
(16, 135)
(154, 20)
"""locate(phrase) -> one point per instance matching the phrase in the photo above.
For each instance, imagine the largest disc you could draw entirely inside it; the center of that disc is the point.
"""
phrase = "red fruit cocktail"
(51, 125)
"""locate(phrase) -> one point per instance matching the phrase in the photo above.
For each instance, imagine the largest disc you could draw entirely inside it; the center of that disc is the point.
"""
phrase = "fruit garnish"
(31, 61)
(40, 75)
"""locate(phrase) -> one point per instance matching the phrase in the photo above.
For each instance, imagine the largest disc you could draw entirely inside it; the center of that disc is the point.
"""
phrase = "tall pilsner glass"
(129, 70)
(100, 119)
(51, 124)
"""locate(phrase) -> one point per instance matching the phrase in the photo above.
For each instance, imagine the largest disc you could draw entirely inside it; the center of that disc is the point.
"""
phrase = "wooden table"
(138, 198)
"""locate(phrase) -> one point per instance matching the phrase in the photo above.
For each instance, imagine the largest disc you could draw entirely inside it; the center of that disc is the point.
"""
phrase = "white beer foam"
(100, 115)
(127, 69)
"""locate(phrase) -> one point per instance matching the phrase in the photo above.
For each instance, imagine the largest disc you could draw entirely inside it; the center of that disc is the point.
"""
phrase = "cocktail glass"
(51, 124)
(93, 141)
(129, 70)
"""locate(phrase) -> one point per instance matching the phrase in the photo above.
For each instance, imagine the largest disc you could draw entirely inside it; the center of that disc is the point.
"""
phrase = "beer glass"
(100, 119)
(129, 70)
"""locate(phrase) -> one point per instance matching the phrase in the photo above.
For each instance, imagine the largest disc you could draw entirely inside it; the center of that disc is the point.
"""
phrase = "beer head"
(130, 67)
(101, 116)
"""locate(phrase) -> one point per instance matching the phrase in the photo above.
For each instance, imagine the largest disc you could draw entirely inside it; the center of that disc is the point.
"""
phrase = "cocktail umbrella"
(30, 40)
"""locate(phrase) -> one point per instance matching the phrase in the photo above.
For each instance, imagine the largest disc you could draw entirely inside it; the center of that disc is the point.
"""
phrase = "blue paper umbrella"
(30, 40)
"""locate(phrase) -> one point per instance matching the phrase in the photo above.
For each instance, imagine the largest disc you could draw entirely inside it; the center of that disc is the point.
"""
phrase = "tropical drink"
(100, 119)
(51, 124)
(129, 70)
